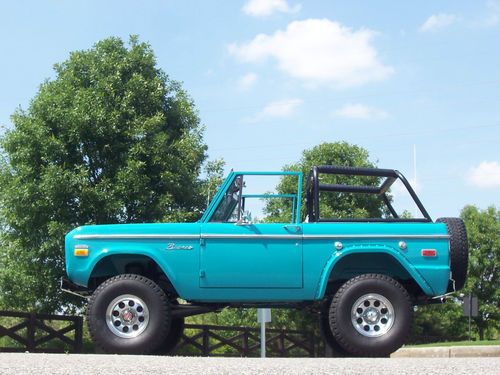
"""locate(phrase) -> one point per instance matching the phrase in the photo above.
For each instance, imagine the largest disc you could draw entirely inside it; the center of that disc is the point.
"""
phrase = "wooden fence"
(36, 333)
(40, 332)
(223, 341)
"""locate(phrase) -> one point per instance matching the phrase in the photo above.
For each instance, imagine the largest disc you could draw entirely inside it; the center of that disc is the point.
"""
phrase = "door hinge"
(202, 242)
(202, 273)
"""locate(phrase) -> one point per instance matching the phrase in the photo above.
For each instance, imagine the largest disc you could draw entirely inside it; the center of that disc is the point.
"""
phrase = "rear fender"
(372, 249)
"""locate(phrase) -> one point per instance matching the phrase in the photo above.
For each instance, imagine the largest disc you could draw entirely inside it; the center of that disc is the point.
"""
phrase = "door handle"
(295, 228)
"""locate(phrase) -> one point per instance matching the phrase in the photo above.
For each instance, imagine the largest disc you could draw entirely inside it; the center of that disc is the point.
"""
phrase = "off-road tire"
(173, 337)
(459, 251)
(342, 326)
(159, 316)
(326, 332)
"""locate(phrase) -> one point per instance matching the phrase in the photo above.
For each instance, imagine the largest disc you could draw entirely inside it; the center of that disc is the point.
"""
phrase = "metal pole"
(263, 339)
(415, 212)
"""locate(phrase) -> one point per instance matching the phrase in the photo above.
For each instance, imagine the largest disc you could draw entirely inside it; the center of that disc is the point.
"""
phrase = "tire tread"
(459, 250)
(338, 336)
(147, 349)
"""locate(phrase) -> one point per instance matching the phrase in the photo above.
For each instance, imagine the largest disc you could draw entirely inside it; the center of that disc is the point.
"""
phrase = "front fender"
(380, 249)
(136, 240)
(81, 269)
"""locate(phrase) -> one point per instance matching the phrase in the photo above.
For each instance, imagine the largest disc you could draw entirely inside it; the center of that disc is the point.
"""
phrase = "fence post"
(31, 332)
(312, 342)
(206, 342)
(282, 344)
(78, 334)
(245, 343)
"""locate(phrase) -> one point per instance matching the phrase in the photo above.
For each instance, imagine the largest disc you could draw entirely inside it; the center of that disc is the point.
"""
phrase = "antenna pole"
(415, 171)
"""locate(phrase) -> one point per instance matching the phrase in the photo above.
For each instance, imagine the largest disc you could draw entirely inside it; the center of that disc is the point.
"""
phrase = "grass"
(456, 343)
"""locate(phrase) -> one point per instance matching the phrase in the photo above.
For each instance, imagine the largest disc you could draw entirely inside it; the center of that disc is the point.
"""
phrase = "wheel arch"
(119, 262)
(382, 260)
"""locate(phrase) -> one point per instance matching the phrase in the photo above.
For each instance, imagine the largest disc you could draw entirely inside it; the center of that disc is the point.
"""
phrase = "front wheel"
(370, 315)
(173, 338)
(129, 314)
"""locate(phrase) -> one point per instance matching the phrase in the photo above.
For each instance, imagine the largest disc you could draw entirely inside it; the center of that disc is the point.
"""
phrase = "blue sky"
(273, 77)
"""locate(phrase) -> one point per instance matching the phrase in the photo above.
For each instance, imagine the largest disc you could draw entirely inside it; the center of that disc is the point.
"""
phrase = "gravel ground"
(21, 363)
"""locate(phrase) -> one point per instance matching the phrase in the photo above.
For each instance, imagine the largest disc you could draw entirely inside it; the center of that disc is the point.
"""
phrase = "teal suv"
(360, 277)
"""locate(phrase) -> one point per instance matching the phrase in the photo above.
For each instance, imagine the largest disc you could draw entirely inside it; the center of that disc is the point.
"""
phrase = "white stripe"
(253, 236)
(258, 236)
(334, 236)
(135, 236)
(327, 236)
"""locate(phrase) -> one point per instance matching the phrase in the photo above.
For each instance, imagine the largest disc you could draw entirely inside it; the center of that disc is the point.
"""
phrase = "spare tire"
(459, 251)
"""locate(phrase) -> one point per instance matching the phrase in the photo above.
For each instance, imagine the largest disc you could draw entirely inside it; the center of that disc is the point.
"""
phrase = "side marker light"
(81, 251)
(429, 252)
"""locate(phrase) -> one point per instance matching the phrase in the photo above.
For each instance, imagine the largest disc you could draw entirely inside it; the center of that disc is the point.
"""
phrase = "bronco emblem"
(173, 246)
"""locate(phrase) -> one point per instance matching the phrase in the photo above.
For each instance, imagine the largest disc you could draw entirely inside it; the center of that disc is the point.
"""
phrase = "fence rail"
(36, 332)
(211, 340)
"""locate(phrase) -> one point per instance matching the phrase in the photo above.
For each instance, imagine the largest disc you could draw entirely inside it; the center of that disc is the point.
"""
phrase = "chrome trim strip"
(253, 236)
(258, 236)
(326, 236)
(396, 236)
(135, 236)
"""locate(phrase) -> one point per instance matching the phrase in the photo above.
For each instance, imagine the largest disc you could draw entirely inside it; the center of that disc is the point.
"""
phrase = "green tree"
(332, 205)
(111, 139)
(214, 177)
(483, 279)
(439, 322)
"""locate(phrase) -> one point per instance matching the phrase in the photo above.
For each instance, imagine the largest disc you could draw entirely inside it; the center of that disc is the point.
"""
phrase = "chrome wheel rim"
(372, 315)
(127, 316)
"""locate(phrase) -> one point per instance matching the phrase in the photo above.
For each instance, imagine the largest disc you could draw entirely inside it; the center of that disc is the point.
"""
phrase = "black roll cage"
(314, 187)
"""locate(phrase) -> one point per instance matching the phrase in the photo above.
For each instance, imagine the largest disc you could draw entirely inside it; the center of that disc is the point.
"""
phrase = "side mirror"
(246, 219)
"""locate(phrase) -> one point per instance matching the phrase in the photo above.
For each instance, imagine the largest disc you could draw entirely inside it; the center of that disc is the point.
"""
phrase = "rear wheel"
(128, 314)
(370, 315)
(326, 332)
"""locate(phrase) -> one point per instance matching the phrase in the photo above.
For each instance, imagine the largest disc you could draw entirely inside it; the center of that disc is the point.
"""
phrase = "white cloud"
(493, 17)
(438, 21)
(247, 81)
(485, 175)
(360, 112)
(281, 108)
(277, 109)
(494, 13)
(318, 51)
(263, 8)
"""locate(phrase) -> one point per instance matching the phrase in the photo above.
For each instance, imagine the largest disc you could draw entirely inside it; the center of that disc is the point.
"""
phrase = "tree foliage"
(483, 279)
(214, 177)
(439, 322)
(447, 322)
(111, 139)
(332, 205)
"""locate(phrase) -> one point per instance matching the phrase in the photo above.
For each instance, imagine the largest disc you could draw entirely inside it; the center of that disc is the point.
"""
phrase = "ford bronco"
(362, 277)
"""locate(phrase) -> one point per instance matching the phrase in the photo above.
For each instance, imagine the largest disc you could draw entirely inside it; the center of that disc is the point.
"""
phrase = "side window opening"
(250, 197)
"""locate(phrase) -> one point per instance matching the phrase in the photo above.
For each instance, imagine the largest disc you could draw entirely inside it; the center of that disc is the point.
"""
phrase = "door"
(251, 255)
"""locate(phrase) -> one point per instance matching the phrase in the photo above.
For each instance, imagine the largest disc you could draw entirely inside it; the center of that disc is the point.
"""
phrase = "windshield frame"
(228, 182)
